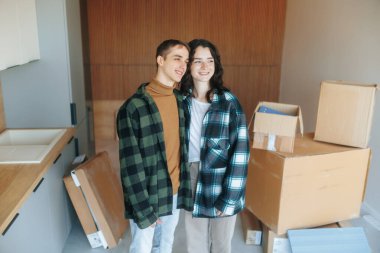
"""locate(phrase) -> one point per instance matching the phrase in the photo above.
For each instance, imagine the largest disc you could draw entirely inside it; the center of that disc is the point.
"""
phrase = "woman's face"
(203, 65)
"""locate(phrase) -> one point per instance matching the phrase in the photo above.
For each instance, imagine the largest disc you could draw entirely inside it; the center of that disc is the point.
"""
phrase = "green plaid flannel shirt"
(147, 187)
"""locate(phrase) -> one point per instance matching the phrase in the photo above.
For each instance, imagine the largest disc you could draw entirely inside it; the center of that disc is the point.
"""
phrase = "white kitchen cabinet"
(60, 206)
(44, 221)
(19, 35)
(28, 232)
(61, 219)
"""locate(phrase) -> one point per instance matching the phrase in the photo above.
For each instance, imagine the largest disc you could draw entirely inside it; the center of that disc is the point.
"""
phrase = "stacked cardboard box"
(345, 113)
(319, 183)
(313, 181)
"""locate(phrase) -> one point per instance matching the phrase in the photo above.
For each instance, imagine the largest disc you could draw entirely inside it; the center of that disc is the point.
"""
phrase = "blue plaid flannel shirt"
(224, 157)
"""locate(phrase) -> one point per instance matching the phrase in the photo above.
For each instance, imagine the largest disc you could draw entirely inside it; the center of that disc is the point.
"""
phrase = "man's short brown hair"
(165, 46)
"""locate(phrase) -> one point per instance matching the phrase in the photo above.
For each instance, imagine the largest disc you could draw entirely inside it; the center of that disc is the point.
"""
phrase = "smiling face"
(172, 66)
(203, 65)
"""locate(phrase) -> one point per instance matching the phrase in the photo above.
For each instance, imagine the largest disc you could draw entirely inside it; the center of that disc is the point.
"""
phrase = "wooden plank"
(102, 188)
(80, 206)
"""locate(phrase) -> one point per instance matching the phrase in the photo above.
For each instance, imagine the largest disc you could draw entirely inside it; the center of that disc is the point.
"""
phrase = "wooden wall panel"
(119, 81)
(278, 34)
(123, 36)
(250, 84)
(107, 81)
(105, 128)
(133, 76)
(274, 83)
(127, 32)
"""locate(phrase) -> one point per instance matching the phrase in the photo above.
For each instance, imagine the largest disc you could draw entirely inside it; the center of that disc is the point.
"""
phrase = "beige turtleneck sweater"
(167, 106)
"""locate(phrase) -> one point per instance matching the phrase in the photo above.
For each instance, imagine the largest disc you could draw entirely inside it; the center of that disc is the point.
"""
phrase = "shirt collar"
(160, 88)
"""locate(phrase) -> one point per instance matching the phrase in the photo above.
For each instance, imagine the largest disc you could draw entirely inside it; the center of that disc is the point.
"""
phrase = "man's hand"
(158, 221)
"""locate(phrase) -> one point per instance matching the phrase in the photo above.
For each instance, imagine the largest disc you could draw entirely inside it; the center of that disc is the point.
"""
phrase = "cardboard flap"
(300, 121)
(283, 125)
(280, 125)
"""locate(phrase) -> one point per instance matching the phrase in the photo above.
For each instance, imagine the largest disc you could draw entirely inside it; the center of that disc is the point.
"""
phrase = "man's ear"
(160, 60)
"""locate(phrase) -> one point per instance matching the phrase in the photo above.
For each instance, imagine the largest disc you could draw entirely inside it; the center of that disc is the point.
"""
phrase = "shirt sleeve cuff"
(225, 208)
(147, 220)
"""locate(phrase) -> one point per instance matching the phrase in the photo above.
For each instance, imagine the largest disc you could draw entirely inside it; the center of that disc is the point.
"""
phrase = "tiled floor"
(77, 241)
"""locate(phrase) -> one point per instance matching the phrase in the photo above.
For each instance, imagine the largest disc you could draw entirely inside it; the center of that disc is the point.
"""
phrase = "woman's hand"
(219, 213)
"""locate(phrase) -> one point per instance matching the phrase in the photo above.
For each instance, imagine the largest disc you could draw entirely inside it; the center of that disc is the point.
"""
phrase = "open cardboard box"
(276, 129)
(345, 113)
(319, 183)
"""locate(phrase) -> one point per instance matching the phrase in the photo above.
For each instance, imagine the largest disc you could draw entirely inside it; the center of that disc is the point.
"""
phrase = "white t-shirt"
(198, 111)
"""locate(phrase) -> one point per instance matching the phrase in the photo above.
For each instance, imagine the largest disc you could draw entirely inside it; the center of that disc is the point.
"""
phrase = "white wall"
(335, 40)
(37, 94)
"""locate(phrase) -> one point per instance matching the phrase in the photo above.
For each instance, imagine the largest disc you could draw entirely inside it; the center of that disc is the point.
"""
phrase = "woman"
(218, 151)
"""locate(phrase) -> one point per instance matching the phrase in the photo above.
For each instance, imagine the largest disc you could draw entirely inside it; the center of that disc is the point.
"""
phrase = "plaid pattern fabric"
(224, 157)
(145, 179)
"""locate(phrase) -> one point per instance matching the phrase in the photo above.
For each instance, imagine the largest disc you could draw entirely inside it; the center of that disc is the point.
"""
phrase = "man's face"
(173, 66)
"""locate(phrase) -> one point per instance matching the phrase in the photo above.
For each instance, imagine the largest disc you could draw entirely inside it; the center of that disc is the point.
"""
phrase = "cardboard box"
(251, 227)
(273, 242)
(275, 128)
(319, 183)
(95, 190)
(345, 113)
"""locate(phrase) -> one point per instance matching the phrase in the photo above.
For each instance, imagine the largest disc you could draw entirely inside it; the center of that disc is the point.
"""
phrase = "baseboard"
(371, 215)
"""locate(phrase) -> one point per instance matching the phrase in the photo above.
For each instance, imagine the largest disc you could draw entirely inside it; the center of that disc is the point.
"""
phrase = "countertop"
(17, 181)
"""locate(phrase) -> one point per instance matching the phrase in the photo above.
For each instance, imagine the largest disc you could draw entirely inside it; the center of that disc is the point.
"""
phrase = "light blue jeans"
(158, 239)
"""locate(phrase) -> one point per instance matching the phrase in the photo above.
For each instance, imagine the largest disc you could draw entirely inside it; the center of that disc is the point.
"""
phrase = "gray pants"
(205, 235)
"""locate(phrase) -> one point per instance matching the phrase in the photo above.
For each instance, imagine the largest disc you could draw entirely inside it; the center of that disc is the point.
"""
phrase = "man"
(154, 172)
